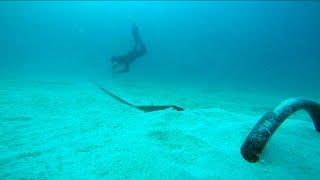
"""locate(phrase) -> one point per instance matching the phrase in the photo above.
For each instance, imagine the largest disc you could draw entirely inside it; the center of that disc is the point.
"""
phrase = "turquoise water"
(226, 63)
(243, 42)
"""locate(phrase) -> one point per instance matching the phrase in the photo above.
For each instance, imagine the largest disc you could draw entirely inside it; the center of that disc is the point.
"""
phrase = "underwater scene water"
(159, 89)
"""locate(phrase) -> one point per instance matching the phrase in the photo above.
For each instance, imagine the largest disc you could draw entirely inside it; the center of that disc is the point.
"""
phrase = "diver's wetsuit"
(124, 61)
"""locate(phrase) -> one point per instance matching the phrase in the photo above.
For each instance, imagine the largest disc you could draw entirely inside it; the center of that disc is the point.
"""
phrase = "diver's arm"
(125, 68)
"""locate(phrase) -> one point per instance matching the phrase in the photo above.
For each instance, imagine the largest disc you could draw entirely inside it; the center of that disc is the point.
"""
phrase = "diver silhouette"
(121, 64)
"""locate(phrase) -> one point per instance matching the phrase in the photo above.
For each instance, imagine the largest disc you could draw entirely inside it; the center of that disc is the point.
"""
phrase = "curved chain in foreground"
(269, 123)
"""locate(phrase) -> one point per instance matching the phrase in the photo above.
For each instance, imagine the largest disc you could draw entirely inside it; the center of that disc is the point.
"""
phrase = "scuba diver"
(121, 64)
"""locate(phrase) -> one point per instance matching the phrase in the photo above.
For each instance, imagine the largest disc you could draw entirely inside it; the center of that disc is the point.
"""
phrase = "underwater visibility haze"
(159, 89)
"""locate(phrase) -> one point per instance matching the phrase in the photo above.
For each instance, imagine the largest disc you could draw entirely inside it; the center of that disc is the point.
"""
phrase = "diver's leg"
(135, 34)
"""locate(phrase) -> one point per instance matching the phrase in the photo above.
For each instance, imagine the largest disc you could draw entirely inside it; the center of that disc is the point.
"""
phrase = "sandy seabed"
(72, 130)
